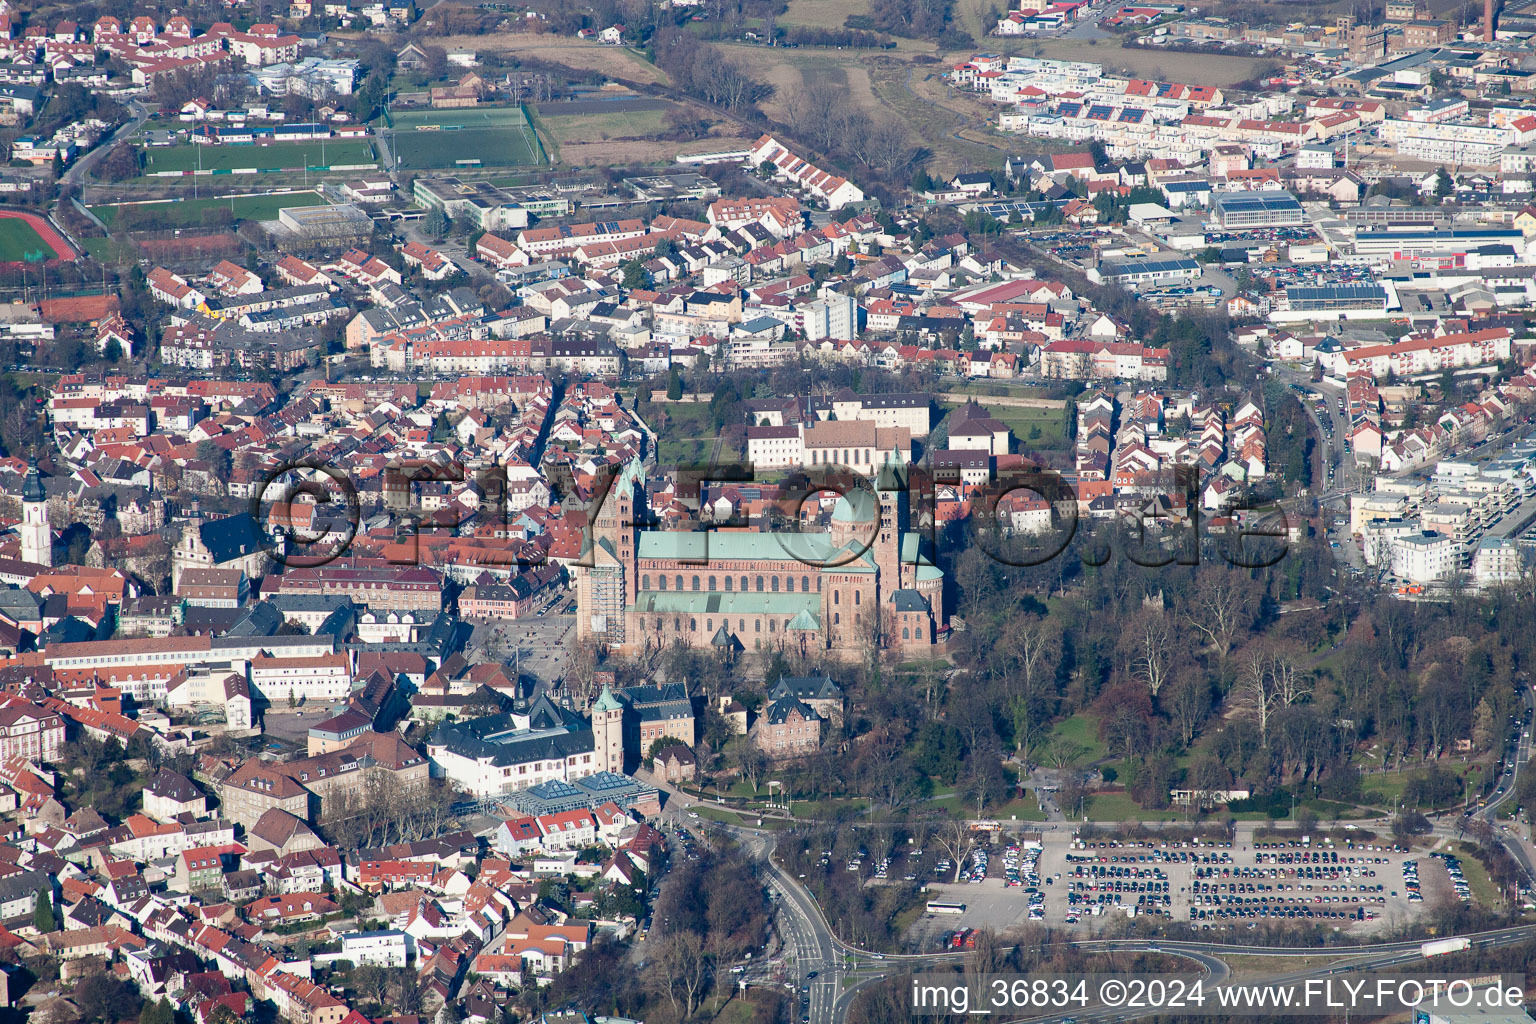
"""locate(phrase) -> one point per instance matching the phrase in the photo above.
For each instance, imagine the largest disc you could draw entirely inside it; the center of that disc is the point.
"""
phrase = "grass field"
(189, 212)
(1215, 69)
(688, 435)
(435, 139)
(615, 62)
(277, 156)
(619, 124)
(1484, 892)
(1081, 730)
(1120, 807)
(823, 13)
(19, 243)
(110, 250)
(1032, 428)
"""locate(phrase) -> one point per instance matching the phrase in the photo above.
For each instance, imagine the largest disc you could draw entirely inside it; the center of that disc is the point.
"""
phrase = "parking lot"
(1361, 887)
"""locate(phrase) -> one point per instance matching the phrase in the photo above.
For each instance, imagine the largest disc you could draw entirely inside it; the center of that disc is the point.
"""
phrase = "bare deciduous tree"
(1269, 681)
(1151, 640)
(684, 970)
(1220, 612)
(957, 840)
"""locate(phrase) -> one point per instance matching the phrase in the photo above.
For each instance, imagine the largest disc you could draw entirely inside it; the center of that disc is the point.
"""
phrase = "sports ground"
(28, 238)
(468, 137)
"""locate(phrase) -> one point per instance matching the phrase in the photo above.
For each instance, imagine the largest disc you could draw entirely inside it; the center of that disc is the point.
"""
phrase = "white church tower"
(36, 535)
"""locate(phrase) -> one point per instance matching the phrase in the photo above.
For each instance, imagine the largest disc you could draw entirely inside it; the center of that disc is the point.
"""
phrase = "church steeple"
(36, 533)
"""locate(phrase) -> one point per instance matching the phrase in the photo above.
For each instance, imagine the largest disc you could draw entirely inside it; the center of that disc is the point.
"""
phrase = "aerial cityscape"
(767, 511)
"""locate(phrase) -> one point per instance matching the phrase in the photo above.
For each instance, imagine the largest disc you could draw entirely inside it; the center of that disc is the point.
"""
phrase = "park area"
(278, 156)
(470, 137)
(184, 213)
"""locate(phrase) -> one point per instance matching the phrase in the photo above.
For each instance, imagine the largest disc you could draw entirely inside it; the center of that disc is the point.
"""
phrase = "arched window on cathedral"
(679, 581)
(805, 584)
(695, 583)
(693, 625)
(759, 584)
(727, 583)
(772, 626)
(855, 597)
(663, 581)
(837, 597)
(712, 584)
(743, 584)
(774, 584)
(645, 582)
(906, 633)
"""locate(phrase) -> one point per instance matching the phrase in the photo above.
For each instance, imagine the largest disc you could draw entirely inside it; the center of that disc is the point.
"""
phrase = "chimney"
(1487, 21)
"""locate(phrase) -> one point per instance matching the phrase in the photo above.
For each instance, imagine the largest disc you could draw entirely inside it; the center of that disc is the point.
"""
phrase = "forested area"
(1283, 680)
(711, 910)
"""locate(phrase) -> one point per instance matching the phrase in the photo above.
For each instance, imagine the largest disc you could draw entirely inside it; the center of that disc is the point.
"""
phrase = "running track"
(55, 241)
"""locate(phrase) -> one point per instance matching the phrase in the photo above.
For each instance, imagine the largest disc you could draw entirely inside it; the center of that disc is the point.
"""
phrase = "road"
(76, 173)
(815, 947)
(1504, 789)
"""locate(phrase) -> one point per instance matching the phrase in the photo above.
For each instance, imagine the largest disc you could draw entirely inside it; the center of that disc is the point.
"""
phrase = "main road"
(817, 949)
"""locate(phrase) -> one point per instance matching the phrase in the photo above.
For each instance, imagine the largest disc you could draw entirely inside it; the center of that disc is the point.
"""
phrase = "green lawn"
(110, 250)
(1120, 807)
(189, 212)
(20, 243)
(1081, 730)
(1484, 892)
(1032, 428)
(278, 156)
(1386, 789)
(685, 433)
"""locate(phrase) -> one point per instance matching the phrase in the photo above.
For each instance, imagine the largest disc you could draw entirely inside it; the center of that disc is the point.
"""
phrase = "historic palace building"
(864, 580)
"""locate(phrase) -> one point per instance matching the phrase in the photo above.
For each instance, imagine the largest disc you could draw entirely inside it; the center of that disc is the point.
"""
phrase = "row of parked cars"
(1458, 880)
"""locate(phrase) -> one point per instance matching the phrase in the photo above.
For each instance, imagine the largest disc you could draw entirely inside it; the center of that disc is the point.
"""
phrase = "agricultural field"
(578, 129)
(904, 86)
(279, 156)
(625, 130)
(178, 213)
(444, 139)
(1215, 69)
(615, 62)
(20, 243)
(823, 13)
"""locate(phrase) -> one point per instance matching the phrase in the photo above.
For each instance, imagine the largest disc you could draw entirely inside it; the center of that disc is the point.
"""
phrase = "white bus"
(945, 907)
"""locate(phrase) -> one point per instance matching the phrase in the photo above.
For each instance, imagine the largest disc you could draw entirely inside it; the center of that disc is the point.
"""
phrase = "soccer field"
(189, 212)
(276, 157)
(19, 243)
(471, 137)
